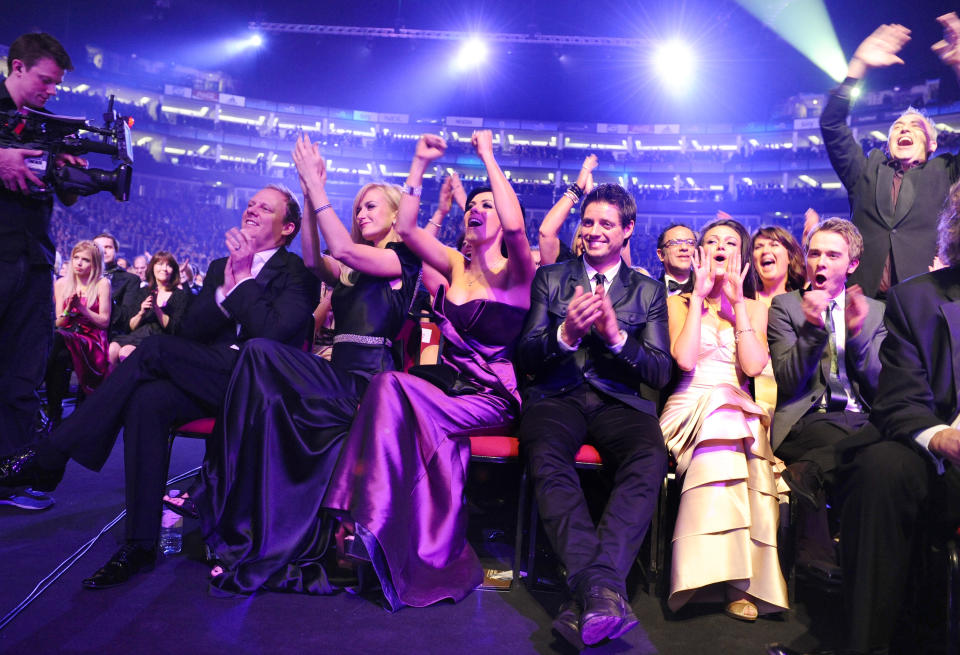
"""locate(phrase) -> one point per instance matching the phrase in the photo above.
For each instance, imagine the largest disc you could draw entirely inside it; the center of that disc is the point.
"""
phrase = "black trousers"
(814, 437)
(166, 381)
(551, 432)
(890, 492)
(26, 330)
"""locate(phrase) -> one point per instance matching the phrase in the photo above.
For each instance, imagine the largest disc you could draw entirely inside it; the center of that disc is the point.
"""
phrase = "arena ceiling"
(743, 69)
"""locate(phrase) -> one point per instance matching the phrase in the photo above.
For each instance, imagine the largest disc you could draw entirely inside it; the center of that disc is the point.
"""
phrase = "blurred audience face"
(771, 259)
(828, 262)
(82, 263)
(64, 269)
(122, 263)
(374, 216)
(262, 220)
(481, 218)
(162, 273)
(603, 234)
(140, 267)
(721, 244)
(106, 247)
(677, 252)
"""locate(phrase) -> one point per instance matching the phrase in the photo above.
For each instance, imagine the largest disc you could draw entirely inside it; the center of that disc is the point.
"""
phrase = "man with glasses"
(675, 248)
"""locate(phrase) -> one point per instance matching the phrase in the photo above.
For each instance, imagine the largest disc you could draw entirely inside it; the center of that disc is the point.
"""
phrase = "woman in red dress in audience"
(82, 303)
(401, 475)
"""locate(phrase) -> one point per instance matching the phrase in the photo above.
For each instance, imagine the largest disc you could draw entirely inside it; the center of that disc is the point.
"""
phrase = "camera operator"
(36, 64)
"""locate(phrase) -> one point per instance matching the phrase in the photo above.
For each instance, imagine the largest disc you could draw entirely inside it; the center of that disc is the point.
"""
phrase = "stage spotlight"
(804, 24)
(472, 54)
(255, 41)
(674, 62)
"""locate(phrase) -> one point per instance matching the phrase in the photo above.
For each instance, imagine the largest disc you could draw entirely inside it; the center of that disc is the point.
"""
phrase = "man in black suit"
(909, 481)
(123, 285)
(675, 247)
(824, 344)
(596, 343)
(260, 290)
(894, 196)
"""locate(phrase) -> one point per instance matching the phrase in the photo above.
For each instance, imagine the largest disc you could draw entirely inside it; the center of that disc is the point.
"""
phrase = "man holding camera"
(36, 64)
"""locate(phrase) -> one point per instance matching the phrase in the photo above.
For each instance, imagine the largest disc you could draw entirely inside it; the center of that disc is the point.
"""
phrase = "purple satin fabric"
(403, 468)
(87, 345)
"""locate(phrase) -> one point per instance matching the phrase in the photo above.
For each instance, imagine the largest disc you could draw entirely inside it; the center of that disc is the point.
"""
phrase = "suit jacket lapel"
(951, 313)
(885, 193)
(620, 285)
(272, 268)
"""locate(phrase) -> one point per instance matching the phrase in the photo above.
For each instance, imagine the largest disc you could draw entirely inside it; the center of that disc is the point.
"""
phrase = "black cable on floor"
(65, 565)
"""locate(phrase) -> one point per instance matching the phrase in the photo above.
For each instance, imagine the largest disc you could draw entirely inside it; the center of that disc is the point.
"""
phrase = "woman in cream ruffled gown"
(725, 541)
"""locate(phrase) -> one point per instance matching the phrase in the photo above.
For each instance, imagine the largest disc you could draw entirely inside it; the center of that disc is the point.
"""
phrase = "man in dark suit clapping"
(596, 343)
(260, 290)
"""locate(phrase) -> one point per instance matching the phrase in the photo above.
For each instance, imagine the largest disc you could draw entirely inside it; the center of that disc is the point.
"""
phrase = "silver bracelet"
(434, 223)
(322, 207)
(736, 334)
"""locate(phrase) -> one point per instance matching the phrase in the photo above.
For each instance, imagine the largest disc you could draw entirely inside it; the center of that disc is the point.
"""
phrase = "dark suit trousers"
(166, 381)
(814, 437)
(551, 432)
(890, 492)
(26, 332)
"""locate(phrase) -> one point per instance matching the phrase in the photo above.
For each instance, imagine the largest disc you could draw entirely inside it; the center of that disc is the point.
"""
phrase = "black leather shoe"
(125, 563)
(22, 469)
(567, 623)
(606, 615)
(780, 649)
(805, 480)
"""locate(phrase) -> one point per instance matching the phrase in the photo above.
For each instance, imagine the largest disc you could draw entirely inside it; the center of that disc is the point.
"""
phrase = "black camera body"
(55, 135)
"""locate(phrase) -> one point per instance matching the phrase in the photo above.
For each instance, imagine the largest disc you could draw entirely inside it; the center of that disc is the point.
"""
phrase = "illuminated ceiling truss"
(445, 35)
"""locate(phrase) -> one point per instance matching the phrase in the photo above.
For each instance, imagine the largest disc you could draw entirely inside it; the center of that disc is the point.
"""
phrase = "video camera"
(55, 135)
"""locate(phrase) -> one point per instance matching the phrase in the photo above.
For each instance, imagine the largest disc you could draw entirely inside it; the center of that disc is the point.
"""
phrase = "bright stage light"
(255, 41)
(804, 24)
(674, 62)
(472, 54)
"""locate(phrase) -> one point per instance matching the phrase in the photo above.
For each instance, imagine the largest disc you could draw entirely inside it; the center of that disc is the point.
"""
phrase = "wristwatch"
(411, 190)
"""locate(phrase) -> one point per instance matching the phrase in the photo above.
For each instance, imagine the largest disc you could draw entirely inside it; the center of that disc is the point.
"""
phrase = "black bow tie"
(673, 285)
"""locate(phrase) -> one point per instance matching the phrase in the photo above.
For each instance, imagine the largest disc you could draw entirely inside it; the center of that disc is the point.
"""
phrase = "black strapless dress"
(286, 413)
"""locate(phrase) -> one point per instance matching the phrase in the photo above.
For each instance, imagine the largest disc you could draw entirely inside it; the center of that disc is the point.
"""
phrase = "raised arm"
(424, 244)
(520, 260)
(325, 268)
(553, 221)
(684, 317)
(749, 321)
(948, 48)
(444, 204)
(379, 262)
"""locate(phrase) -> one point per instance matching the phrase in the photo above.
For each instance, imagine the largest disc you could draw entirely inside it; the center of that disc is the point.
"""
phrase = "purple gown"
(271, 455)
(87, 345)
(403, 468)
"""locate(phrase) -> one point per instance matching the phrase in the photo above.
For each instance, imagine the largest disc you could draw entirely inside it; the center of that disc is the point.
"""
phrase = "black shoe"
(22, 469)
(567, 623)
(780, 649)
(606, 615)
(125, 563)
(805, 480)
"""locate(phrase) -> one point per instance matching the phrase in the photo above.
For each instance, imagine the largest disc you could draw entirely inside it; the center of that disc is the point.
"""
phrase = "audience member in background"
(725, 540)
(824, 343)
(259, 290)
(156, 308)
(288, 410)
(675, 248)
(894, 195)
(140, 269)
(595, 341)
(123, 285)
(82, 302)
(123, 264)
(36, 64)
(777, 268)
(187, 279)
(410, 435)
(552, 250)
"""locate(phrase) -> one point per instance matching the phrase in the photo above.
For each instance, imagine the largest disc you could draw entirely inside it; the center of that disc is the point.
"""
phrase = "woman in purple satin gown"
(402, 471)
(287, 411)
(82, 302)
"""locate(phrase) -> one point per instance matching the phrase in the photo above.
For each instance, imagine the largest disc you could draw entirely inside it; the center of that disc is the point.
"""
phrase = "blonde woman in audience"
(82, 304)
(725, 540)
